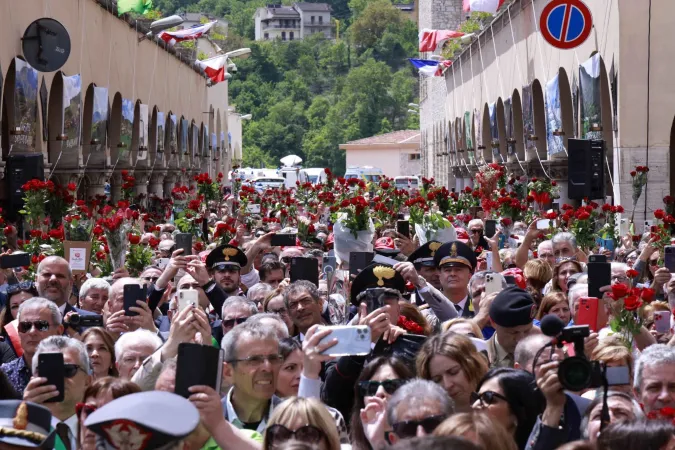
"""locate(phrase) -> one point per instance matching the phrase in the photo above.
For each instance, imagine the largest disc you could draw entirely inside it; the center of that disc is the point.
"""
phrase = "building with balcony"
(396, 153)
(289, 23)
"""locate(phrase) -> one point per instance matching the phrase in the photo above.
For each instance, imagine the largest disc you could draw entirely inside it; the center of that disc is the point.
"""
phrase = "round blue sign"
(565, 24)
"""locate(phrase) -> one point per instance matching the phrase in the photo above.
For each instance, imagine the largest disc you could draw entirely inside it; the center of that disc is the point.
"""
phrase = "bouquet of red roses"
(627, 307)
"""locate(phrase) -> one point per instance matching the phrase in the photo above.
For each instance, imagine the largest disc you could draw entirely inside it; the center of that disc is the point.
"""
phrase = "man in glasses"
(38, 319)
(304, 305)
(476, 231)
(77, 377)
(236, 310)
(252, 363)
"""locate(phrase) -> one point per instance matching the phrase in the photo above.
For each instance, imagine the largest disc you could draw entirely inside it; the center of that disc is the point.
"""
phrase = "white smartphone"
(543, 224)
(162, 263)
(352, 340)
(494, 282)
(662, 321)
(187, 297)
(648, 226)
(623, 227)
(488, 260)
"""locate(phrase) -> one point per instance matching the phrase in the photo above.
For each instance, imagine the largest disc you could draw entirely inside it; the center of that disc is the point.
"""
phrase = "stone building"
(289, 23)
(396, 153)
(511, 97)
(118, 103)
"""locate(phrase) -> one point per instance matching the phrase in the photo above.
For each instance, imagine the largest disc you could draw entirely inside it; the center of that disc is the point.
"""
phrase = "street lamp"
(160, 25)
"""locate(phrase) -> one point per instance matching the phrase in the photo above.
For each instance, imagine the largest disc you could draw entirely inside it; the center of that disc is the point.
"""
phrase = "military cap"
(377, 276)
(144, 420)
(25, 424)
(226, 256)
(513, 307)
(424, 255)
(385, 246)
(457, 254)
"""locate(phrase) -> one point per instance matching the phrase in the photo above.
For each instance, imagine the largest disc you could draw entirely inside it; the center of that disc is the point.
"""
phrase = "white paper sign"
(78, 259)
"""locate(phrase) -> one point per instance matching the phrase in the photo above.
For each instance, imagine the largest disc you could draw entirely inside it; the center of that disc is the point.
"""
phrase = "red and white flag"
(189, 34)
(488, 6)
(431, 39)
(214, 68)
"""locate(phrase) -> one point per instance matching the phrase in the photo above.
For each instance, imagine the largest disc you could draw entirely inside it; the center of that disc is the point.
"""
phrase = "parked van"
(408, 183)
(261, 184)
(366, 173)
(315, 175)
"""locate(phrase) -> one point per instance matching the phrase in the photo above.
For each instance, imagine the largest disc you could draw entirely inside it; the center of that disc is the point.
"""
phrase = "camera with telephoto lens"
(90, 320)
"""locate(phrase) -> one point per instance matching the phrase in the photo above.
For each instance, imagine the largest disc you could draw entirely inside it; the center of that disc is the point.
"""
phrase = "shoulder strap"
(13, 334)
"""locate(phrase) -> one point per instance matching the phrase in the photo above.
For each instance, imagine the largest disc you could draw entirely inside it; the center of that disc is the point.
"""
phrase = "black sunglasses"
(21, 287)
(408, 428)
(70, 370)
(487, 397)
(278, 434)
(229, 323)
(26, 326)
(369, 388)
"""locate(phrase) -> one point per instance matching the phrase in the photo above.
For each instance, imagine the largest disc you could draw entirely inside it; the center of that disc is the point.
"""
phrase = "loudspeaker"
(585, 169)
(19, 170)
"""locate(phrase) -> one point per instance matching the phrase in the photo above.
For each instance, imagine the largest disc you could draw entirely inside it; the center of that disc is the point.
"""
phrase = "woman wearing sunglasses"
(100, 392)
(301, 419)
(16, 295)
(508, 396)
(452, 361)
(381, 377)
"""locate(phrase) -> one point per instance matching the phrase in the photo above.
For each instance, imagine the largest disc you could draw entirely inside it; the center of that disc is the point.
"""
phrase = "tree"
(376, 18)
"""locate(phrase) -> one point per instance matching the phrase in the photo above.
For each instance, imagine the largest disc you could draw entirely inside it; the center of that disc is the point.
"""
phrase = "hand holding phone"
(283, 240)
(184, 241)
(51, 367)
(132, 293)
(662, 321)
(587, 313)
(187, 297)
(351, 340)
(403, 227)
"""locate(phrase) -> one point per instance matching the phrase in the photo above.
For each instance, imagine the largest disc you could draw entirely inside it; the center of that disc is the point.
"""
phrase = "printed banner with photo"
(214, 142)
(223, 145)
(467, 130)
(126, 129)
(25, 105)
(528, 117)
(575, 104)
(205, 141)
(195, 142)
(184, 130)
(160, 137)
(143, 112)
(99, 122)
(478, 127)
(72, 110)
(494, 130)
(173, 133)
(554, 143)
(589, 83)
(508, 118)
(44, 97)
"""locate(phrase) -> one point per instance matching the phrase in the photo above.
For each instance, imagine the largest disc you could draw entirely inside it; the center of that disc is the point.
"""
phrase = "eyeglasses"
(487, 397)
(151, 279)
(70, 370)
(259, 360)
(620, 278)
(278, 434)
(370, 388)
(229, 323)
(83, 407)
(20, 287)
(408, 428)
(476, 231)
(26, 326)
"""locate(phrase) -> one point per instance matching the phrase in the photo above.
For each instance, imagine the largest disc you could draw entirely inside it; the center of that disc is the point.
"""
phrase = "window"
(312, 19)
(320, 20)
(413, 156)
(283, 35)
(290, 36)
(267, 36)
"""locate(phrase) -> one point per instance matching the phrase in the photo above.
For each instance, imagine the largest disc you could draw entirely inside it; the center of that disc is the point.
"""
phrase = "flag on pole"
(488, 6)
(214, 68)
(431, 39)
(430, 68)
(189, 34)
(137, 6)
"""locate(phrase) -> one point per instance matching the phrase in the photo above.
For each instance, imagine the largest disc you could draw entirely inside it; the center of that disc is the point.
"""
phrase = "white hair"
(416, 393)
(564, 236)
(57, 344)
(241, 302)
(94, 283)
(136, 337)
(273, 320)
(119, 284)
(258, 288)
(577, 291)
(473, 222)
(543, 244)
(654, 355)
(616, 266)
(41, 303)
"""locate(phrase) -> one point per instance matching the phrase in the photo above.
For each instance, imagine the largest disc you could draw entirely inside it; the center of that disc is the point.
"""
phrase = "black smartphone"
(14, 260)
(50, 366)
(184, 241)
(400, 216)
(359, 261)
(198, 365)
(599, 274)
(490, 228)
(403, 227)
(283, 240)
(669, 258)
(132, 293)
(304, 269)
(373, 300)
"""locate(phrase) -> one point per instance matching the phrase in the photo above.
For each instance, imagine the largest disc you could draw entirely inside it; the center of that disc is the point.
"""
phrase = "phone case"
(494, 282)
(283, 240)
(490, 228)
(50, 366)
(15, 260)
(588, 313)
(352, 340)
(662, 321)
(359, 261)
(198, 365)
(184, 241)
(304, 269)
(403, 227)
(187, 297)
(132, 293)
(669, 258)
(599, 275)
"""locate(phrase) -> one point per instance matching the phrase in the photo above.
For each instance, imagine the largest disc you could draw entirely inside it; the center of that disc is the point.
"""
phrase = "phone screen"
(490, 228)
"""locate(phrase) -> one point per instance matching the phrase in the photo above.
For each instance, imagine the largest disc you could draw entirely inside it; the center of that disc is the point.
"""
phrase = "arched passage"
(114, 128)
(55, 136)
(518, 124)
(566, 106)
(539, 112)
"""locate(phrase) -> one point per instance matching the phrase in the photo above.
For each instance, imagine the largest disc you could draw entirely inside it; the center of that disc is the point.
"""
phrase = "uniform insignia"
(383, 273)
(434, 246)
(20, 421)
(126, 435)
(453, 250)
(229, 252)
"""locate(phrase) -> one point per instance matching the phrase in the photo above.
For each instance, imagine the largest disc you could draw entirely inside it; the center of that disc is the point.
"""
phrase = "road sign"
(566, 24)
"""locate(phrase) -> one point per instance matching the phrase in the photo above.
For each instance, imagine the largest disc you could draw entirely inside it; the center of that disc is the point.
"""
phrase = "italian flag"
(214, 68)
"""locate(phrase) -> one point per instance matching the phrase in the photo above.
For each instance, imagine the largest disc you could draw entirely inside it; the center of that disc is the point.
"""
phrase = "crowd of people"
(459, 354)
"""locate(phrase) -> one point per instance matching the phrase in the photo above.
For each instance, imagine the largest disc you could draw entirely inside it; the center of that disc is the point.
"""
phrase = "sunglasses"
(26, 326)
(229, 323)
(370, 388)
(70, 370)
(83, 407)
(151, 279)
(408, 428)
(475, 231)
(20, 287)
(487, 397)
(278, 434)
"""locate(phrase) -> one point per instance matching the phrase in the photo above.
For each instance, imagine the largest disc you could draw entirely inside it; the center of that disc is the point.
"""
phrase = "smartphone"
(253, 208)
(329, 264)
(304, 269)
(403, 227)
(162, 263)
(132, 293)
(588, 313)
(669, 258)
(662, 321)
(184, 241)
(283, 240)
(623, 227)
(494, 282)
(599, 274)
(352, 340)
(21, 259)
(490, 227)
(488, 260)
(510, 280)
(543, 224)
(359, 261)
(648, 226)
(50, 366)
(187, 297)
(618, 376)
(608, 244)
(198, 365)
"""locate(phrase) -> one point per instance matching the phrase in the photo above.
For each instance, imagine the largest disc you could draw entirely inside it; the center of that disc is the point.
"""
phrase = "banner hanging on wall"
(508, 118)
(160, 136)
(25, 105)
(589, 94)
(555, 143)
(143, 111)
(99, 120)
(528, 117)
(126, 129)
(72, 108)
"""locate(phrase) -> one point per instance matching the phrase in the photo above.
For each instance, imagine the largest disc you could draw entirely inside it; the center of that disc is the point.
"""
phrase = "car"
(261, 184)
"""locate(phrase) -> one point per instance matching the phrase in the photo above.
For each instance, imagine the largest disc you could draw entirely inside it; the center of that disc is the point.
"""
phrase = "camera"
(93, 320)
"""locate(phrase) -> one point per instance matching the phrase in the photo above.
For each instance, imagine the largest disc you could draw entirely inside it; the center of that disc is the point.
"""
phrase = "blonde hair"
(538, 271)
(612, 350)
(488, 433)
(461, 320)
(307, 411)
(456, 347)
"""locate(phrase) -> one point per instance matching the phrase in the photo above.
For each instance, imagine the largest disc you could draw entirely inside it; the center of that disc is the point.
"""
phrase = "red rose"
(506, 221)
(633, 173)
(9, 230)
(71, 187)
(659, 214)
(632, 273)
(620, 290)
(648, 295)
(583, 215)
(98, 230)
(632, 302)
(554, 183)
(534, 179)
(134, 239)
(345, 203)
(153, 242)
(606, 207)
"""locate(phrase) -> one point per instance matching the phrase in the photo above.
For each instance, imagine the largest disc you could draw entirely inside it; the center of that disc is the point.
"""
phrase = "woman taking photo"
(452, 361)
(101, 349)
(301, 419)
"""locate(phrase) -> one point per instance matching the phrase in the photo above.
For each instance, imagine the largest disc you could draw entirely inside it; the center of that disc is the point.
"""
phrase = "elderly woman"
(94, 293)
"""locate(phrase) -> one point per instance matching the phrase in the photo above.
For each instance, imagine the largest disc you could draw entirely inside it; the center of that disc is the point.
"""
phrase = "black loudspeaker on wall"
(19, 170)
(586, 169)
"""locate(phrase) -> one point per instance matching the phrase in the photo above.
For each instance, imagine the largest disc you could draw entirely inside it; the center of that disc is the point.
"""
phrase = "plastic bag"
(345, 242)
(441, 235)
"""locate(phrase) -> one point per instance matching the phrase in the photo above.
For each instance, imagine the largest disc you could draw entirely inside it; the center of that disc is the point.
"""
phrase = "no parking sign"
(566, 24)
